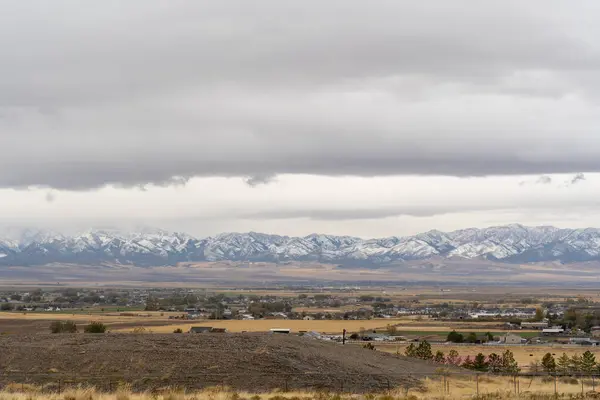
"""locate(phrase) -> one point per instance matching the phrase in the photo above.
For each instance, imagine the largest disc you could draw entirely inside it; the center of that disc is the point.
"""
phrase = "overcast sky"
(367, 118)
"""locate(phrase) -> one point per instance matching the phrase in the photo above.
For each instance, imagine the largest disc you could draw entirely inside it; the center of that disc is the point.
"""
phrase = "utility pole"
(344, 336)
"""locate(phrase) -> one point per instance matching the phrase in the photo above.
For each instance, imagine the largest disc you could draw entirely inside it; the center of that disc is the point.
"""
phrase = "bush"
(95, 327)
(178, 330)
(63, 327)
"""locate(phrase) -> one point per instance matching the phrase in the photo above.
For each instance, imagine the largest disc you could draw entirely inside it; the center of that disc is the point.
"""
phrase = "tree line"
(496, 363)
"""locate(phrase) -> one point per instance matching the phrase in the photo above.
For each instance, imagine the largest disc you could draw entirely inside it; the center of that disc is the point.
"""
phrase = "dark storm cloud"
(139, 92)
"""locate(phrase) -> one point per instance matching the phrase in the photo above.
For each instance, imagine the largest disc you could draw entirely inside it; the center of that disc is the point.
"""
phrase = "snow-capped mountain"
(512, 244)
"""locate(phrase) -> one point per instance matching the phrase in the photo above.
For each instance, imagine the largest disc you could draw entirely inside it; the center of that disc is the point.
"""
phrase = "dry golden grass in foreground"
(457, 388)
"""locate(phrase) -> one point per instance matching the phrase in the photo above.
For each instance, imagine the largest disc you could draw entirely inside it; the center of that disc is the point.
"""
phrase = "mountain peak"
(149, 246)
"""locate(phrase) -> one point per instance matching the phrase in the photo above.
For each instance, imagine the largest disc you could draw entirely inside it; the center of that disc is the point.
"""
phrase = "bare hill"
(252, 362)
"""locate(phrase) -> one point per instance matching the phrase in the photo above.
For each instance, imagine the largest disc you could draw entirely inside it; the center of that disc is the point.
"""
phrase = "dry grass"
(326, 326)
(457, 388)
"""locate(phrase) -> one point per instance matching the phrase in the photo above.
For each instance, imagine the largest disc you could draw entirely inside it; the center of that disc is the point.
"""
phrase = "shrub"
(178, 330)
(369, 346)
(95, 327)
(63, 327)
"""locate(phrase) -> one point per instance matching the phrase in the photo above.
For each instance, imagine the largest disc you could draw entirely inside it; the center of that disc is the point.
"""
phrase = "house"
(309, 318)
(200, 329)
(595, 331)
(511, 338)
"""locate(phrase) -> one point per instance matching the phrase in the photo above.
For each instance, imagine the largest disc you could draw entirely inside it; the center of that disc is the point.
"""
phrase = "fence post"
(59, 387)
(388, 384)
(477, 384)
(593, 383)
(555, 388)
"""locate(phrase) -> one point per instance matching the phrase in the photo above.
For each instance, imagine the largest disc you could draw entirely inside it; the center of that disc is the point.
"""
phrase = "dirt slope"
(244, 361)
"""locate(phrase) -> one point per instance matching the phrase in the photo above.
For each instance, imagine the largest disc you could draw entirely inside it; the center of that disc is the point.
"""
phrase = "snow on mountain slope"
(511, 243)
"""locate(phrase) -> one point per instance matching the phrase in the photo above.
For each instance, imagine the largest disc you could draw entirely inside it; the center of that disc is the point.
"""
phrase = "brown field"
(323, 326)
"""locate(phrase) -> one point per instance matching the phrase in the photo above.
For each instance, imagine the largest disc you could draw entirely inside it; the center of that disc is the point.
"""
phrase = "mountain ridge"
(512, 243)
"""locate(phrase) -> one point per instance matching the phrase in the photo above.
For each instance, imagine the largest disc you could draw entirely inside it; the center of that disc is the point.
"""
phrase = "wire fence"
(443, 383)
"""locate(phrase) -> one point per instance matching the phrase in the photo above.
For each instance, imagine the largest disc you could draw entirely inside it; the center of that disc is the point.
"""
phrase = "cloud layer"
(139, 92)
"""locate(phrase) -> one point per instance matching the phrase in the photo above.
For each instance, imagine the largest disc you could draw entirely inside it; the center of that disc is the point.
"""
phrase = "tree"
(494, 362)
(480, 363)
(6, 307)
(489, 337)
(471, 338)
(576, 363)
(95, 327)
(439, 357)
(509, 365)
(539, 314)
(391, 330)
(453, 358)
(549, 363)
(455, 337)
(411, 350)
(588, 362)
(467, 363)
(563, 363)
(152, 304)
(424, 351)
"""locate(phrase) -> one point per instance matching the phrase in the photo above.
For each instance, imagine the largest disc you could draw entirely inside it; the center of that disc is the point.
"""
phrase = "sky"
(365, 118)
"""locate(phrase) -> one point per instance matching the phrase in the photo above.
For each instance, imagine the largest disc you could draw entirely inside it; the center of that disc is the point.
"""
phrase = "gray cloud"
(141, 92)
(257, 180)
(577, 178)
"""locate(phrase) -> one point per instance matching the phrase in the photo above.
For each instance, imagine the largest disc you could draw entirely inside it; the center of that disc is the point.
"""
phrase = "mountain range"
(509, 244)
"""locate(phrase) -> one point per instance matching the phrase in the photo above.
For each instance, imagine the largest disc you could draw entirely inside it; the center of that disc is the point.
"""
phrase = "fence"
(445, 383)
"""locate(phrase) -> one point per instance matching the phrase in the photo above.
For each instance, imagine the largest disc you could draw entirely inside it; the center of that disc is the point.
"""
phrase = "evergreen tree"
(494, 362)
(410, 351)
(480, 363)
(509, 365)
(467, 363)
(576, 363)
(549, 363)
(453, 358)
(563, 363)
(424, 351)
(588, 362)
(439, 357)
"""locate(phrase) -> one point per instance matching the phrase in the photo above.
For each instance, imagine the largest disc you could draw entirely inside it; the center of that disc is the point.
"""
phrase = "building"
(534, 325)
(595, 331)
(511, 338)
(584, 341)
(555, 330)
